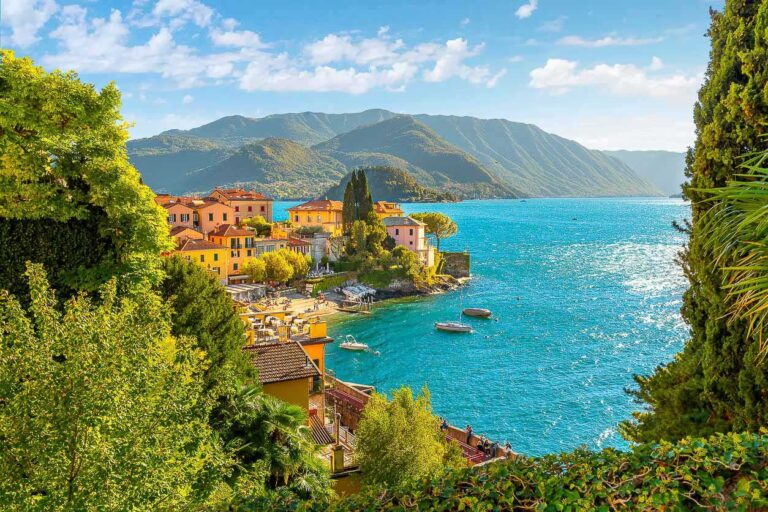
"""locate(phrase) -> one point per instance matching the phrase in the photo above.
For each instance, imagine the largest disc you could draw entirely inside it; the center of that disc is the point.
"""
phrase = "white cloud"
(337, 62)
(187, 99)
(184, 10)
(465, 22)
(559, 76)
(555, 25)
(607, 41)
(516, 58)
(525, 10)
(25, 18)
(656, 64)
(237, 38)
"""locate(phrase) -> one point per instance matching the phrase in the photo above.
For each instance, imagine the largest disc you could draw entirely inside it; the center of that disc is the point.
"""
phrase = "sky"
(610, 74)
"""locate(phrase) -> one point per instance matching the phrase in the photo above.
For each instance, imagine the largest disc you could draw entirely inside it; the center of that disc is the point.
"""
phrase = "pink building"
(208, 214)
(410, 233)
(179, 215)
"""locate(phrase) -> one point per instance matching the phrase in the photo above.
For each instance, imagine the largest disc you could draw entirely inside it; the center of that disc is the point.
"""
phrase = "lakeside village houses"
(286, 338)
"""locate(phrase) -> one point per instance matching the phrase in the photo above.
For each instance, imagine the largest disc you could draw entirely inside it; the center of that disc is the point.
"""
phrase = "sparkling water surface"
(585, 293)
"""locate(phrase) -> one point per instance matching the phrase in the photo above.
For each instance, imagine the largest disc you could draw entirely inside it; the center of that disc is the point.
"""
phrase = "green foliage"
(278, 268)
(400, 440)
(309, 230)
(331, 282)
(722, 473)
(272, 444)
(716, 384)
(200, 308)
(392, 184)
(259, 224)
(102, 409)
(298, 262)
(256, 269)
(438, 225)
(358, 203)
(63, 161)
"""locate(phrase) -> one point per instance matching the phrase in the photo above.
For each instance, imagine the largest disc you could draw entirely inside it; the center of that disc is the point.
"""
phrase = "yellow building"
(208, 255)
(239, 241)
(285, 370)
(386, 209)
(323, 213)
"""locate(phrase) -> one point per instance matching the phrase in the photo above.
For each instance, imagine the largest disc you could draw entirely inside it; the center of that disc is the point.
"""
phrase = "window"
(237, 220)
(172, 217)
(215, 256)
(262, 208)
(319, 218)
(248, 253)
(210, 217)
(411, 242)
(202, 258)
(250, 208)
(184, 217)
(237, 208)
(234, 266)
(270, 248)
(224, 217)
(411, 232)
(217, 270)
(397, 231)
(233, 243)
(309, 218)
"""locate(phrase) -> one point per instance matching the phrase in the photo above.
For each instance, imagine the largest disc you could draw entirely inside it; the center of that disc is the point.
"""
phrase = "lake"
(585, 293)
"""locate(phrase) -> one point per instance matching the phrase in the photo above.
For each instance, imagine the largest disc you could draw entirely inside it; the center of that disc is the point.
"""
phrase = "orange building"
(386, 209)
(299, 245)
(323, 213)
(245, 203)
(210, 214)
(183, 232)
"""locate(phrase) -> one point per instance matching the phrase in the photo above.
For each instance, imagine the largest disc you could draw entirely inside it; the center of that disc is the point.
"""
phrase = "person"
(508, 447)
(494, 448)
(444, 425)
(469, 433)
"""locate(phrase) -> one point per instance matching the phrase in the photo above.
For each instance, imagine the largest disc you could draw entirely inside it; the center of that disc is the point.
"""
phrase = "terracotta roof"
(230, 230)
(199, 204)
(279, 362)
(297, 242)
(175, 230)
(194, 244)
(386, 206)
(401, 221)
(320, 204)
(240, 194)
(173, 203)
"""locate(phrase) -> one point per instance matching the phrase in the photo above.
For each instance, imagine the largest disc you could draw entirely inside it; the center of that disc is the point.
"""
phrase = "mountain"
(392, 184)
(278, 167)
(306, 128)
(468, 156)
(537, 162)
(665, 169)
(441, 164)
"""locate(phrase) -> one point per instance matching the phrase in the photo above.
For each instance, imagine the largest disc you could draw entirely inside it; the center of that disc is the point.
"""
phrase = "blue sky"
(618, 74)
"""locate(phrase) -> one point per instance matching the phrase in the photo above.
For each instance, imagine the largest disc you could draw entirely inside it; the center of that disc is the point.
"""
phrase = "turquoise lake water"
(586, 293)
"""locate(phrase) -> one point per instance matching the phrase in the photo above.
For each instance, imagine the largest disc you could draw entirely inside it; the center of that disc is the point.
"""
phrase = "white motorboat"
(453, 327)
(350, 343)
(477, 312)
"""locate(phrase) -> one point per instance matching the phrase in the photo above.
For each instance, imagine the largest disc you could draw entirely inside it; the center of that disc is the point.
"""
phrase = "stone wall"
(456, 264)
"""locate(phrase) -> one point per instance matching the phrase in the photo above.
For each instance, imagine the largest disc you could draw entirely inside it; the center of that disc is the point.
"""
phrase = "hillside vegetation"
(277, 167)
(391, 184)
(470, 157)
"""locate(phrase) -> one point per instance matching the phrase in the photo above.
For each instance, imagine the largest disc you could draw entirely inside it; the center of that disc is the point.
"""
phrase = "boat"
(477, 312)
(453, 327)
(350, 343)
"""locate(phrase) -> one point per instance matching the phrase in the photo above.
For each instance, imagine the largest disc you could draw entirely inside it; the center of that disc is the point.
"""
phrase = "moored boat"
(477, 312)
(453, 327)
(350, 343)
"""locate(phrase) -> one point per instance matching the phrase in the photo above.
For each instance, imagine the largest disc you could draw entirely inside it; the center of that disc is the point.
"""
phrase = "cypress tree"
(364, 199)
(716, 384)
(349, 213)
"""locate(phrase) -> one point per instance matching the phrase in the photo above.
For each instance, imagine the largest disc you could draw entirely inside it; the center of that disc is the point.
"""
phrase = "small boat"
(350, 343)
(478, 312)
(453, 327)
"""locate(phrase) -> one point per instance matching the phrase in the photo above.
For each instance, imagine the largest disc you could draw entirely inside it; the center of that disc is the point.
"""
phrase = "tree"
(299, 262)
(259, 224)
(270, 435)
(256, 269)
(363, 196)
(349, 206)
(278, 269)
(200, 308)
(102, 408)
(400, 440)
(86, 215)
(438, 225)
(716, 384)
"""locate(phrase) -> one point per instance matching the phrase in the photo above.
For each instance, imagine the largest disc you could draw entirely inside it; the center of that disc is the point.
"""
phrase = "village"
(286, 332)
